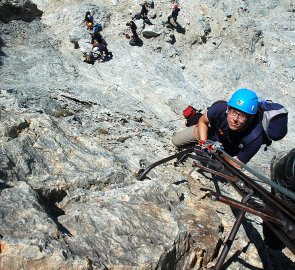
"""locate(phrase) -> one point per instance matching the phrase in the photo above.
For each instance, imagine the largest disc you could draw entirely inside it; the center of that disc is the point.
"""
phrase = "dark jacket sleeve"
(249, 150)
(215, 112)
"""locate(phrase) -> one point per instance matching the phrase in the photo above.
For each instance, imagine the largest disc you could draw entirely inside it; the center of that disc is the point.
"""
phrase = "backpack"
(136, 17)
(97, 28)
(191, 115)
(89, 26)
(272, 121)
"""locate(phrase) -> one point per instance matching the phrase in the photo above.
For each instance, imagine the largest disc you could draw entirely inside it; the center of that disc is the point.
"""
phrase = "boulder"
(151, 31)
(29, 237)
(199, 29)
(75, 36)
(19, 10)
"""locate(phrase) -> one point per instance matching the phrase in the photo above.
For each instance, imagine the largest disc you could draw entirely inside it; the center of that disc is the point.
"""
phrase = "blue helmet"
(244, 100)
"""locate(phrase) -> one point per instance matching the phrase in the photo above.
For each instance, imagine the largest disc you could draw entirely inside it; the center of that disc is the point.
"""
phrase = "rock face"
(75, 135)
(19, 10)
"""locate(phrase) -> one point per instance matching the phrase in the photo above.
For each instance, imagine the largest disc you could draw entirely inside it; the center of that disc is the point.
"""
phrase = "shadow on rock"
(177, 27)
(28, 12)
(271, 259)
(49, 200)
(180, 29)
(147, 21)
(4, 185)
(107, 57)
(137, 42)
(2, 54)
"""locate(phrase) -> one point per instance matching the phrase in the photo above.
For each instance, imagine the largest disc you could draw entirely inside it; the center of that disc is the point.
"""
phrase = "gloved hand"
(209, 146)
(201, 142)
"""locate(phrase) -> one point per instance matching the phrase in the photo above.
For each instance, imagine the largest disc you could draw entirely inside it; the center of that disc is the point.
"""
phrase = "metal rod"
(284, 212)
(286, 215)
(261, 190)
(229, 241)
(180, 154)
(283, 190)
(210, 162)
(232, 234)
(227, 177)
(238, 205)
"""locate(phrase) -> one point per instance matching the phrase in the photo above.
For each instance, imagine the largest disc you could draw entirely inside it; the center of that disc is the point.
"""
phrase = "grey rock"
(106, 216)
(85, 45)
(75, 136)
(140, 25)
(76, 35)
(19, 10)
(199, 29)
(31, 238)
(151, 31)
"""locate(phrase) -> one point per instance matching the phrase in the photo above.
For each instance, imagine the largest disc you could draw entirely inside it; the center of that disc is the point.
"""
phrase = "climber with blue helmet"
(228, 123)
(244, 100)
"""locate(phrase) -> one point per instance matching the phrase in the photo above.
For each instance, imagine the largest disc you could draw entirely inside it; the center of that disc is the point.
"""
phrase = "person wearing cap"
(228, 123)
(89, 20)
(174, 14)
(133, 29)
(144, 10)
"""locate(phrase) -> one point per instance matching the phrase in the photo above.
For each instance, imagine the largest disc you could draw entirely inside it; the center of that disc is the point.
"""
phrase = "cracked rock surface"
(74, 136)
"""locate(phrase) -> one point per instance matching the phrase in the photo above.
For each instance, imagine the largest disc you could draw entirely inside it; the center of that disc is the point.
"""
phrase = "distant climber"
(95, 34)
(174, 14)
(144, 10)
(89, 21)
(133, 29)
(100, 45)
(229, 123)
(99, 51)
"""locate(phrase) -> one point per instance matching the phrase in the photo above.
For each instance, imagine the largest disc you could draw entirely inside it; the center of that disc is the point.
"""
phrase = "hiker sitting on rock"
(89, 20)
(100, 45)
(174, 14)
(228, 123)
(133, 28)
